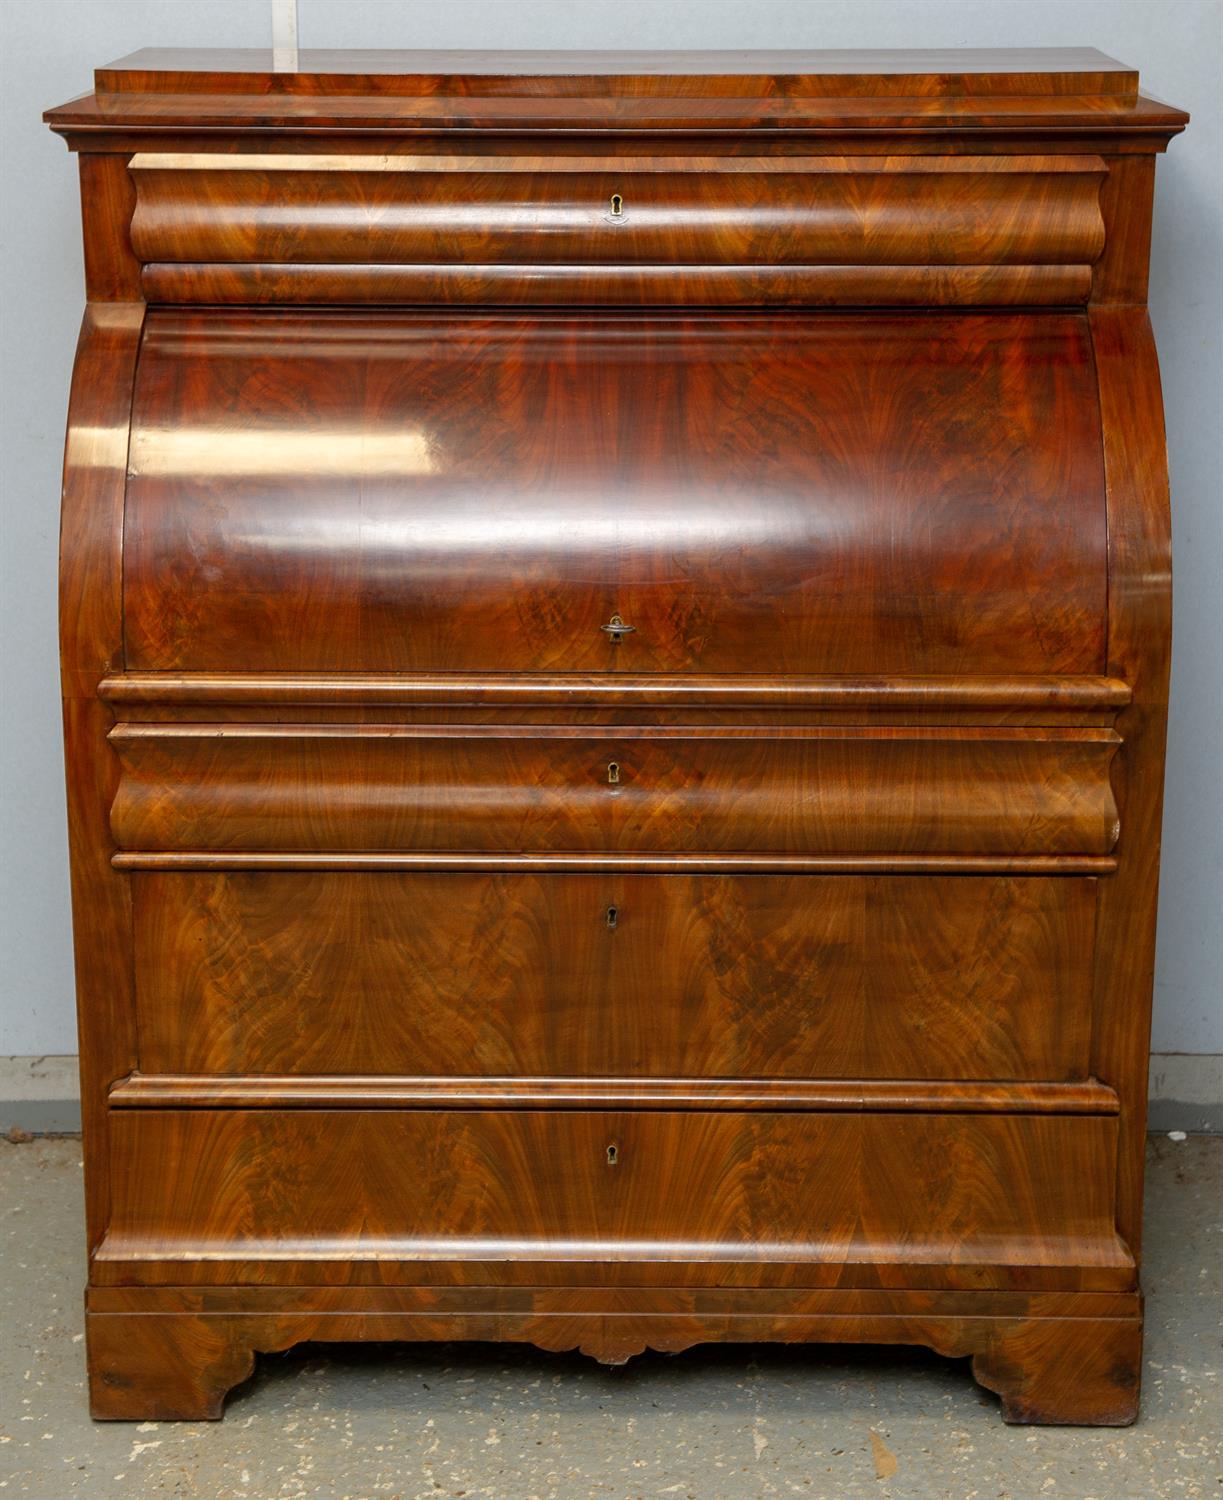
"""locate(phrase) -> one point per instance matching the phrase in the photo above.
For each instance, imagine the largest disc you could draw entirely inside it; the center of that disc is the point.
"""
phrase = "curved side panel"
(1139, 650)
(91, 645)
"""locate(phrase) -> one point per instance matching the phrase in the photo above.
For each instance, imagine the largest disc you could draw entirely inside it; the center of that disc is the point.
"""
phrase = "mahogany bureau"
(615, 651)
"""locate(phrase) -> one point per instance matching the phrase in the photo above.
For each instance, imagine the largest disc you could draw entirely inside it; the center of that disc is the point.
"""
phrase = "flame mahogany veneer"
(615, 625)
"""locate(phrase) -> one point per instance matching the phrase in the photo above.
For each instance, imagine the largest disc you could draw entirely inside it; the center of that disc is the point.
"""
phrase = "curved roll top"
(336, 492)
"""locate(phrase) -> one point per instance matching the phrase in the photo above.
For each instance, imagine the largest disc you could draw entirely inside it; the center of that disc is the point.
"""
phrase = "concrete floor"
(435, 1421)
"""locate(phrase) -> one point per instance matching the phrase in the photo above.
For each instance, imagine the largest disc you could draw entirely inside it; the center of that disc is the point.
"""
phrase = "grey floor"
(435, 1421)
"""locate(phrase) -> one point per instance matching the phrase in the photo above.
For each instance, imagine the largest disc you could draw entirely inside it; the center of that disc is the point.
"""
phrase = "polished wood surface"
(611, 1185)
(368, 1091)
(786, 977)
(392, 494)
(898, 697)
(1140, 641)
(622, 93)
(841, 71)
(91, 642)
(479, 788)
(1060, 1360)
(615, 623)
(570, 284)
(889, 211)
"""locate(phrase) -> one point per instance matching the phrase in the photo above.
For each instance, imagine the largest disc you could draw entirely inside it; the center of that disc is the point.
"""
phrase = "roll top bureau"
(615, 627)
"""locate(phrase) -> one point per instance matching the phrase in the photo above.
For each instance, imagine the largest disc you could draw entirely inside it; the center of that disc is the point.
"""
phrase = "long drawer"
(421, 1194)
(959, 977)
(811, 790)
(544, 210)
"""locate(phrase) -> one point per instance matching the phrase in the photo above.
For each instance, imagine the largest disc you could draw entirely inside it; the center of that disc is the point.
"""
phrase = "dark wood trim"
(631, 286)
(234, 1268)
(828, 1300)
(1078, 1368)
(503, 690)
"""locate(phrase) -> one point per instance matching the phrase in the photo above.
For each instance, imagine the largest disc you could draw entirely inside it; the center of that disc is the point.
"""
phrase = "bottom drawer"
(425, 1194)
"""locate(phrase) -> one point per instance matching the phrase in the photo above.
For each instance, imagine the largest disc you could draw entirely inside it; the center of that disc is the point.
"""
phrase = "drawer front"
(415, 1191)
(904, 977)
(341, 787)
(387, 493)
(435, 210)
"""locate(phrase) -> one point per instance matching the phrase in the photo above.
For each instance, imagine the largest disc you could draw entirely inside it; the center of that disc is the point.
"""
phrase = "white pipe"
(284, 36)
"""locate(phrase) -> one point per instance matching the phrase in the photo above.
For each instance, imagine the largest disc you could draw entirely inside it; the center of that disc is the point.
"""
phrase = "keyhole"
(617, 206)
(613, 1156)
(613, 916)
(613, 773)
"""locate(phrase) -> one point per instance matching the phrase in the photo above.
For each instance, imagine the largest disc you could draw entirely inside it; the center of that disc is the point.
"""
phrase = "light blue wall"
(49, 50)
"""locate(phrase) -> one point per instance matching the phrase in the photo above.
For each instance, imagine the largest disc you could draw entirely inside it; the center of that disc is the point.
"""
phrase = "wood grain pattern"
(901, 211)
(822, 1301)
(91, 644)
(700, 976)
(1069, 90)
(642, 864)
(748, 1273)
(891, 695)
(336, 787)
(474, 285)
(607, 1186)
(108, 199)
(367, 1091)
(1140, 642)
(842, 72)
(391, 493)
(635, 595)
(174, 1365)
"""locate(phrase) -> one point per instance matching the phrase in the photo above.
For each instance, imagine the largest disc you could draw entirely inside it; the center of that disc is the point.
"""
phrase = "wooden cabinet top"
(1035, 89)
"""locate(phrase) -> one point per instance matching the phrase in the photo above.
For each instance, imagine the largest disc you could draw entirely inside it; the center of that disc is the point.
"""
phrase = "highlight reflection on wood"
(615, 636)
(391, 493)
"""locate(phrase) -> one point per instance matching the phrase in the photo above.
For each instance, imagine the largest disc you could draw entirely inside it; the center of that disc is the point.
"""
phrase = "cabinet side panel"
(1139, 646)
(1120, 274)
(108, 199)
(91, 644)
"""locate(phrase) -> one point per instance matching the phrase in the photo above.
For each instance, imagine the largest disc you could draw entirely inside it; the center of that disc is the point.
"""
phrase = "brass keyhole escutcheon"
(613, 773)
(613, 916)
(617, 629)
(613, 1155)
(617, 206)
